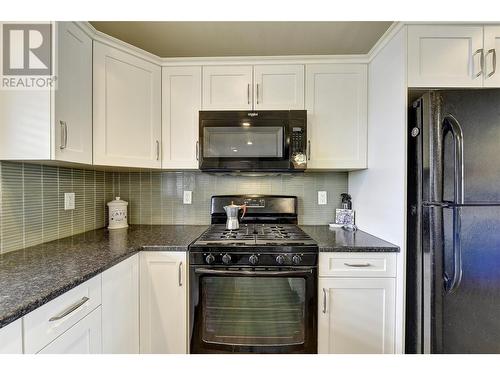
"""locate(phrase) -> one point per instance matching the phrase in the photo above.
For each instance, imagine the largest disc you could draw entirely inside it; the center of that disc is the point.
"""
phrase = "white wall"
(378, 192)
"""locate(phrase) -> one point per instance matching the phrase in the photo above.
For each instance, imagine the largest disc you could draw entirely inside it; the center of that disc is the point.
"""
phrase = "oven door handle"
(206, 271)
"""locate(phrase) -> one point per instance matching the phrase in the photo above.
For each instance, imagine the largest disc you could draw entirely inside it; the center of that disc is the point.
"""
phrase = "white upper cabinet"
(491, 50)
(227, 87)
(127, 109)
(53, 123)
(120, 308)
(356, 316)
(336, 103)
(73, 97)
(445, 56)
(163, 302)
(181, 102)
(278, 87)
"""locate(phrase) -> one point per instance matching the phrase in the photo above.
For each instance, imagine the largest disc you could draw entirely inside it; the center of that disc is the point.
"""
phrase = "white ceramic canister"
(117, 214)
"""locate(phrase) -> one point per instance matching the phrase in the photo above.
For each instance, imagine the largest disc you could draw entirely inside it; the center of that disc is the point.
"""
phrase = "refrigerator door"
(466, 278)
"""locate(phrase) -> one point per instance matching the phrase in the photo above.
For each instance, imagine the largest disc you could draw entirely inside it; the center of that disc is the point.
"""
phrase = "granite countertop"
(341, 240)
(31, 277)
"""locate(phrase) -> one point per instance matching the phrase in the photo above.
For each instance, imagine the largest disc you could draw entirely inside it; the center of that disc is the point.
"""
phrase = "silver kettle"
(232, 212)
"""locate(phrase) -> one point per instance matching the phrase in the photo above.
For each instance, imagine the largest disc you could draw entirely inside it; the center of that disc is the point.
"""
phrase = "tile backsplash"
(32, 198)
(156, 197)
(32, 203)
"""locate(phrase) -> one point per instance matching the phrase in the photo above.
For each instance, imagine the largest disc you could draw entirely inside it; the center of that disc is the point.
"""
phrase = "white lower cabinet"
(357, 313)
(11, 338)
(163, 302)
(120, 307)
(83, 338)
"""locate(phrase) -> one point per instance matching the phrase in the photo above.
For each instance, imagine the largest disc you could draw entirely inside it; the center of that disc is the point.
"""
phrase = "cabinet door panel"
(492, 53)
(163, 307)
(11, 338)
(181, 89)
(73, 97)
(120, 307)
(359, 315)
(227, 87)
(443, 55)
(279, 87)
(83, 338)
(127, 109)
(336, 103)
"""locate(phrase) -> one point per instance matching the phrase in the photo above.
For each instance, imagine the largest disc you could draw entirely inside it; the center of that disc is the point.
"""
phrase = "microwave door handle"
(451, 125)
(207, 271)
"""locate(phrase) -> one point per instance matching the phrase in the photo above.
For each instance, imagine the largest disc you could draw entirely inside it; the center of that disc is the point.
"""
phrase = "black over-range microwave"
(261, 141)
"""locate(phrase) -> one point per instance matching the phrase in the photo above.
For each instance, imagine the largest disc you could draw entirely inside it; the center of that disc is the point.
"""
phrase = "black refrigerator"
(453, 238)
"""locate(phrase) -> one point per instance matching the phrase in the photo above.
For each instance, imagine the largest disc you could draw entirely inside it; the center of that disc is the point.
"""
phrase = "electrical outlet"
(188, 197)
(322, 197)
(69, 201)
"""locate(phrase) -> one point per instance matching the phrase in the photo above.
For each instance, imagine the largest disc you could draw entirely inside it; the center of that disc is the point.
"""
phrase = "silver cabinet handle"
(180, 273)
(64, 135)
(248, 93)
(258, 93)
(324, 300)
(157, 150)
(493, 61)
(357, 264)
(69, 310)
(197, 150)
(309, 150)
(479, 51)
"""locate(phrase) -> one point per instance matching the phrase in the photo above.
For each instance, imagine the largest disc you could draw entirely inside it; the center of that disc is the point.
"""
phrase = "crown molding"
(101, 37)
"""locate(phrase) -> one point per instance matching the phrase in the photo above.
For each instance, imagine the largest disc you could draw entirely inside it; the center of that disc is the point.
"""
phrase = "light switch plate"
(188, 197)
(69, 201)
(322, 199)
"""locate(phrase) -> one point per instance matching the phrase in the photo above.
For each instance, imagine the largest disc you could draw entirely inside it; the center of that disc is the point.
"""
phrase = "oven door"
(253, 311)
(244, 144)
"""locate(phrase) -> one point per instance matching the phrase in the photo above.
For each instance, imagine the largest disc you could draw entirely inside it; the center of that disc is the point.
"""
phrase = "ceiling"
(217, 39)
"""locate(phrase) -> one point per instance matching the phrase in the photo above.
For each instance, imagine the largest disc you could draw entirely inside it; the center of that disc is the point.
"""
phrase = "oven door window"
(253, 311)
(243, 142)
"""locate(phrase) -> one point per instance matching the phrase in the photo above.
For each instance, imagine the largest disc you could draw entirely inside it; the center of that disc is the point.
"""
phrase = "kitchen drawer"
(357, 265)
(49, 321)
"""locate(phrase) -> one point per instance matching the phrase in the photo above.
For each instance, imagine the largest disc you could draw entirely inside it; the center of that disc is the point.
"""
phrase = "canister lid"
(117, 202)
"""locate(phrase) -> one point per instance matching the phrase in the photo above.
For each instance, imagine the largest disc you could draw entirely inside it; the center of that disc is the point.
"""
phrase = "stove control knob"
(226, 259)
(210, 259)
(296, 259)
(280, 259)
(254, 259)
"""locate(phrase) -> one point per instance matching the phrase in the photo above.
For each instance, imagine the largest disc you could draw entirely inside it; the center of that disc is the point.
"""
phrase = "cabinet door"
(120, 307)
(127, 109)
(491, 50)
(73, 96)
(279, 87)
(336, 103)
(163, 307)
(356, 315)
(181, 98)
(83, 338)
(227, 87)
(11, 338)
(444, 56)
(25, 121)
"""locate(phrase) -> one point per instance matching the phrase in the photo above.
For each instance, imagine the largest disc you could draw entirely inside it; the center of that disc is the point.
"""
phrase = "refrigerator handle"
(450, 124)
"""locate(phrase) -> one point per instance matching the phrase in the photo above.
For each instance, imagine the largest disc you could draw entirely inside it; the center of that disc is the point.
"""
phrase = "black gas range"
(254, 289)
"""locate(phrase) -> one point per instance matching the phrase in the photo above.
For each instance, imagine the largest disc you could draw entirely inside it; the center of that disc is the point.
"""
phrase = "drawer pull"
(69, 310)
(357, 264)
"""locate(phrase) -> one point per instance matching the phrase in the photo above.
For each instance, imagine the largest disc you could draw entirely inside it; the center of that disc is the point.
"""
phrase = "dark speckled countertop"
(341, 240)
(33, 276)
